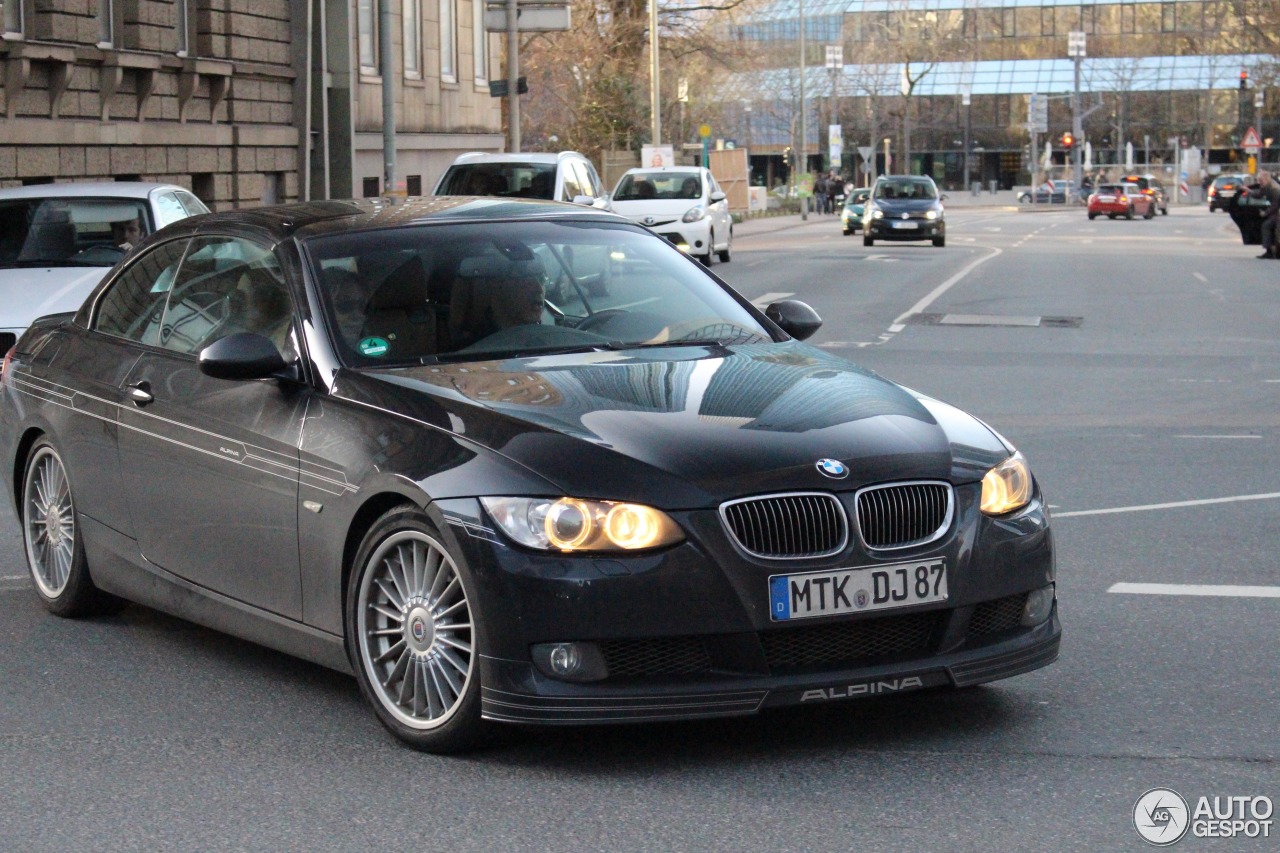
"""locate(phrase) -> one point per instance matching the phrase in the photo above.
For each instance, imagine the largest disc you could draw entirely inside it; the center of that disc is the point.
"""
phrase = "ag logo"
(1161, 817)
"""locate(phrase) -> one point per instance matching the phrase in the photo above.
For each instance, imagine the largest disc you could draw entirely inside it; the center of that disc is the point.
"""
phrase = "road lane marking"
(765, 299)
(1268, 496)
(1216, 590)
(16, 582)
(1201, 277)
(1217, 436)
(899, 324)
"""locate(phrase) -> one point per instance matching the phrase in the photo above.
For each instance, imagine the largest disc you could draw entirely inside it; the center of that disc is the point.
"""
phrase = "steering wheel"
(600, 318)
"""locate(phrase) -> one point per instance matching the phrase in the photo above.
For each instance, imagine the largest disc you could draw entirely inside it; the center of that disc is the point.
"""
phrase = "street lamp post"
(655, 119)
(1076, 50)
(804, 125)
(835, 63)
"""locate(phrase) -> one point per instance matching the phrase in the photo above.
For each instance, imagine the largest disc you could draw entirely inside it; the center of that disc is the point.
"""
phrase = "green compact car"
(851, 216)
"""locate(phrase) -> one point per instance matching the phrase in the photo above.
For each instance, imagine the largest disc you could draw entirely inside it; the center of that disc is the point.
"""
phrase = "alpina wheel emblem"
(833, 468)
(419, 629)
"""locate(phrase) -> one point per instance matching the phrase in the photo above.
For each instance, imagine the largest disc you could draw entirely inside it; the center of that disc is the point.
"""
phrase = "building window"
(13, 22)
(369, 187)
(367, 36)
(413, 185)
(184, 26)
(480, 42)
(448, 42)
(413, 39)
(106, 23)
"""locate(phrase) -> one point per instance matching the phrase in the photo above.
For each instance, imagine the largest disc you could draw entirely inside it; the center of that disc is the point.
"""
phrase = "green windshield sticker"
(373, 347)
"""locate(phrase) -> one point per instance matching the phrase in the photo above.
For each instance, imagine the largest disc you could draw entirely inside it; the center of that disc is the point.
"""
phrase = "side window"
(192, 204)
(134, 305)
(227, 285)
(168, 209)
(571, 188)
(582, 171)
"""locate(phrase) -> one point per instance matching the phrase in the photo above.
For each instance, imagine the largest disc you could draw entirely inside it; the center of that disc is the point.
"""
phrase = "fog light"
(570, 661)
(1038, 607)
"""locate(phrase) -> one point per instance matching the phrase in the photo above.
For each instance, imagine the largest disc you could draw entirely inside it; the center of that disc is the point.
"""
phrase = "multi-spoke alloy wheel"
(414, 636)
(50, 522)
(55, 552)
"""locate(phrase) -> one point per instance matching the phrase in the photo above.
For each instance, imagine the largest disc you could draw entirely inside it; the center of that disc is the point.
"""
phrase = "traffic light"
(1068, 141)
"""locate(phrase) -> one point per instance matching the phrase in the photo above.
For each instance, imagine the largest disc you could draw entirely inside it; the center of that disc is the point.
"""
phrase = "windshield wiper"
(523, 352)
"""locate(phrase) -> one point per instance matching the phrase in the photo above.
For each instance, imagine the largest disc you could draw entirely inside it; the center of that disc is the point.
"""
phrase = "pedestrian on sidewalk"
(1269, 190)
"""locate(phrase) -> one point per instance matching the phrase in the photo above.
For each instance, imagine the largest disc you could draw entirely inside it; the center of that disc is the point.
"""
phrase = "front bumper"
(517, 692)
(693, 237)
(926, 229)
(686, 632)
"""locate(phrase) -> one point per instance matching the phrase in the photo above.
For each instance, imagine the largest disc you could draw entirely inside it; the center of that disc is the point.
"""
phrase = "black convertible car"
(412, 441)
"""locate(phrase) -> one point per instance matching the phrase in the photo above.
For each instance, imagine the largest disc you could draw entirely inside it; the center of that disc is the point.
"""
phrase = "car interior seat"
(398, 312)
(51, 238)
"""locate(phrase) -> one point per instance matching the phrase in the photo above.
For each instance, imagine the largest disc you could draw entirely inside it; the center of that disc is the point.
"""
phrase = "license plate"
(905, 225)
(1106, 198)
(1227, 193)
(808, 594)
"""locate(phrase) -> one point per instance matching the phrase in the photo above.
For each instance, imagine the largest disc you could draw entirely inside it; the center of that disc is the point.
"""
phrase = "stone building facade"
(245, 102)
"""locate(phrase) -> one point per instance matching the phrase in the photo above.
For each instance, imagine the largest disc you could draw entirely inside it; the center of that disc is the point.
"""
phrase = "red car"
(1125, 200)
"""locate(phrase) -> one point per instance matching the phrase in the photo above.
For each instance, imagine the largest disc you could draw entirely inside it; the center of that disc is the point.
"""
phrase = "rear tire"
(412, 624)
(1164, 211)
(1129, 213)
(1111, 216)
(724, 256)
(1093, 216)
(1150, 214)
(54, 542)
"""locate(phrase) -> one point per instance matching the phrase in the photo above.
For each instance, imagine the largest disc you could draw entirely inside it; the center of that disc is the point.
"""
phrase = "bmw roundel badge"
(833, 468)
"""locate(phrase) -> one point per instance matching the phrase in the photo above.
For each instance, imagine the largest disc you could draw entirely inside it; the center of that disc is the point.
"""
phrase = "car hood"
(636, 211)
(689, 427)
(31, 292)
(905, 205)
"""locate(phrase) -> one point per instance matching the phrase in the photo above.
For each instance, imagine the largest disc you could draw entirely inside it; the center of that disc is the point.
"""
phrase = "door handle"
(140, 393)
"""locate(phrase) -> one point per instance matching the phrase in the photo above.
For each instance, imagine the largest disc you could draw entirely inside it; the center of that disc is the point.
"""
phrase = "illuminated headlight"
(877, 214)
(1007, 486)
(695, 214)
(933, 214)
(570, 524)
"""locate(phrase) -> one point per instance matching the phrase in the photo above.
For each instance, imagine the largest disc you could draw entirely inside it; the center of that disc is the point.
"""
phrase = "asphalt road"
(1134, 363)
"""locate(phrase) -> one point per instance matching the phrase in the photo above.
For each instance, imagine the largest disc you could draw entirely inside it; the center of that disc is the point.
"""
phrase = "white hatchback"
(57, 241)
(683, 204)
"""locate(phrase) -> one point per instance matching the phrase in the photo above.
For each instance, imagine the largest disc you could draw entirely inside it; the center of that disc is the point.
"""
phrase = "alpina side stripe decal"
(49, 392)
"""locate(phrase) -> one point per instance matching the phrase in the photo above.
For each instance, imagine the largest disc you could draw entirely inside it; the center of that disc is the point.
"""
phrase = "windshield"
(434, 293)
(659, 185)
(1110, 189)
(905, 188)
(65, 232)
(518, 180)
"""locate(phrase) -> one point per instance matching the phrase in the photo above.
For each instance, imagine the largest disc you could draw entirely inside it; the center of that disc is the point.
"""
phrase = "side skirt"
(118, 568)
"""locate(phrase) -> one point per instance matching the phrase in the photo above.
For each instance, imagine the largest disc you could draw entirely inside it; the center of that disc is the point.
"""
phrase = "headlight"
(933, 214)
(695, 213)
(877, 214)
(571, 524)
(1007, 486)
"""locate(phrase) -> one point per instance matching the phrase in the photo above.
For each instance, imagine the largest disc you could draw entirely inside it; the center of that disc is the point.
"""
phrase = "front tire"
(1092, 216)
(724, 256)
(411, 622)
(867, 240)
(1129, 213)
(939, 242)
(54, 543)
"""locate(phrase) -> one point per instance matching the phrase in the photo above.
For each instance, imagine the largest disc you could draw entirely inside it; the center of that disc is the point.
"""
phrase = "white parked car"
(57, 241)
(563, 176)
(683, 204)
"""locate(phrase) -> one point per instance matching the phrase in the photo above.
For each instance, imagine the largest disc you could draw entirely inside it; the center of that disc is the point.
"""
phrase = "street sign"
(866, 152)
(1038, 113)
(835, 56)
(1075, 43)
(544, 17)
(1251, 142)
(835, 144)
(500, 89)
(704, 131)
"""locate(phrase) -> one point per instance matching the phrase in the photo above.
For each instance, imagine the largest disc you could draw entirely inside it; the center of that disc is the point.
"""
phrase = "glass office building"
(1157, 76)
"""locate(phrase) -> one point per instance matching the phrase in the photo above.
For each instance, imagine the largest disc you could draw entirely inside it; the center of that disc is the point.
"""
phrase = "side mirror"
(795, 318)
(942, 197)
(243, 355)
(584, 200)
(718, 195)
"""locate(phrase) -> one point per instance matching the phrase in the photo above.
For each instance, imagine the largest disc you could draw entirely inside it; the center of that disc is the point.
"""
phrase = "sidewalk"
(768, 224)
